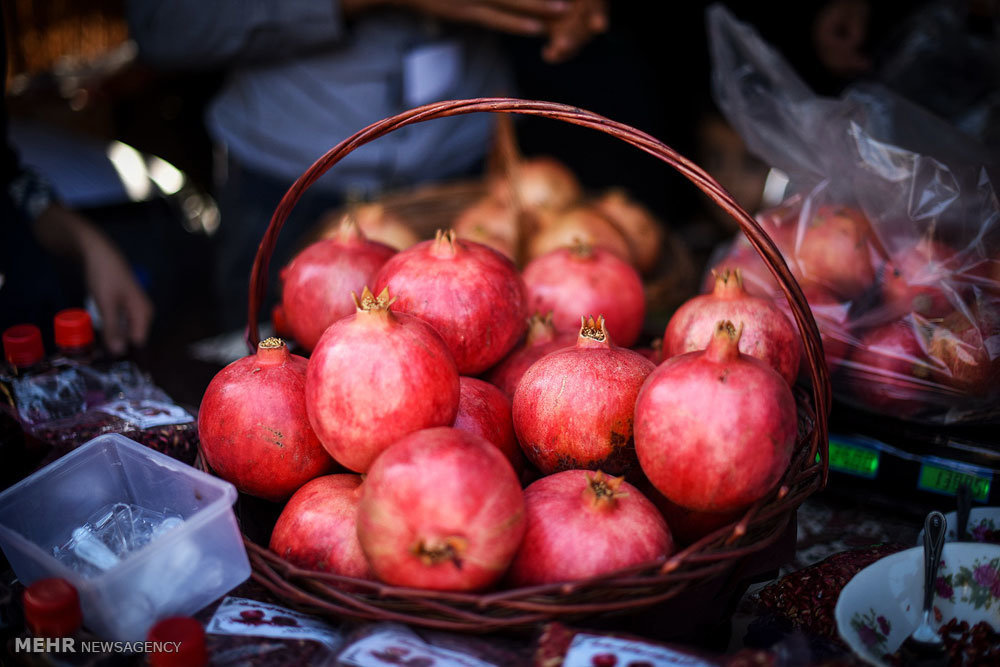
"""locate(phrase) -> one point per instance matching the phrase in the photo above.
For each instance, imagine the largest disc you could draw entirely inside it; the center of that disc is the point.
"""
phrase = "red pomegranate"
(470, 293)
(541, 339)
(573, 408)
(889, 371)
(687, 526)
(572, 282)
(654, 352)
(485, 410)
(640, 227)
(913, 282)
(253, 426)
(580, 224)
(582, 524)
(319, 281)
(317, 530)
(714, 430)
(768, 334)
(376, 376)
(839, 251)
(442, 509)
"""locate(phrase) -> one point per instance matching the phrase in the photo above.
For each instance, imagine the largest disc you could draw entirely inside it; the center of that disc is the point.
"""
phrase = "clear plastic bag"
(71, 403)
(892, 229)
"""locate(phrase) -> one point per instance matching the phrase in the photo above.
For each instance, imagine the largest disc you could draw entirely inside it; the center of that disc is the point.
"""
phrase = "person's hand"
(126, 312)
(517, 17)
(568, 34)
(839, 32)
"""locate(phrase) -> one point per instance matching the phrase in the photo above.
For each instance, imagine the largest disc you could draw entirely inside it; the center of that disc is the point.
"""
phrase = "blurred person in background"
(38, 234)
(301, 76)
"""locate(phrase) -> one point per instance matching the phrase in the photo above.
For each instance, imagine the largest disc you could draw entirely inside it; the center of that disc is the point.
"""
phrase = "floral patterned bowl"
(983, 526)
(880, 606)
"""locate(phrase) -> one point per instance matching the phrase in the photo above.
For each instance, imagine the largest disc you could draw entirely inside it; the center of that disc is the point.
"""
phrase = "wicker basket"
(703, 563)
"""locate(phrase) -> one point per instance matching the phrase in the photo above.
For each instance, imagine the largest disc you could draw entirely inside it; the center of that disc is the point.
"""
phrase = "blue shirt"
(300, 79)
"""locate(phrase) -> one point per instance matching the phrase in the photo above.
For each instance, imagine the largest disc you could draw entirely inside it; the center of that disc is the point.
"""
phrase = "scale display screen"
(854, 459)
(943, 478)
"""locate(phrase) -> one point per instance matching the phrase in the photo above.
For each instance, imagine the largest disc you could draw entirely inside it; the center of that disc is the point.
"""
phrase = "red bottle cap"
(181, 642)
(73, 328)
(52, 608)
(22, 345)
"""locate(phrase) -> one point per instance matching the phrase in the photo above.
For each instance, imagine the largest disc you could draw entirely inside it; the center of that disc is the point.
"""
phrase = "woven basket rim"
(711, 556)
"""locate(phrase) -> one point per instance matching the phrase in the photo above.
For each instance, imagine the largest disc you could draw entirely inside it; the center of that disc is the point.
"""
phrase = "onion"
(579, 225)
(642, 230)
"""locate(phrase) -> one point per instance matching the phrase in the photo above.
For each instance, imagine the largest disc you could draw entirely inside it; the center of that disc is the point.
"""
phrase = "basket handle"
(755, 234)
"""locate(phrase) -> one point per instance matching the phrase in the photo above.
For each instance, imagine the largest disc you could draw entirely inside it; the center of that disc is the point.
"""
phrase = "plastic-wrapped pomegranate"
(575, 282)
(889, 370)
(442, 509)
(318, 282)
(573, 409)
(581, 524)
(317, 530)
(839, 251)
(253, 425)
(376, 376)
(469, 292)
(541, 339)
(715, 429)
(768, 334)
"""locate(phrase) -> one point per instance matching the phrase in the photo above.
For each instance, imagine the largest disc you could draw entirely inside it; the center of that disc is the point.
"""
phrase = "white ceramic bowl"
(880, 606)
(981, 520)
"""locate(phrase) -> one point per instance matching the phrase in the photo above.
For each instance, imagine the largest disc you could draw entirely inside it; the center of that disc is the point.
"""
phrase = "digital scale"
(918, 465)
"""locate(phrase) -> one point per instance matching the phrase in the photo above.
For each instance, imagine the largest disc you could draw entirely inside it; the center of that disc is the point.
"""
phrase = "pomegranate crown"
(445, 243)
(581, 248)
(371, 303)
(272, 343)
(728, 279)
(593, 329)
(725, 343)
(540, 327)
(603, 490)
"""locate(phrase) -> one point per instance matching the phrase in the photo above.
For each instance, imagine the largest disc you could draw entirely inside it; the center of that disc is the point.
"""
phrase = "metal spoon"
(924, 645)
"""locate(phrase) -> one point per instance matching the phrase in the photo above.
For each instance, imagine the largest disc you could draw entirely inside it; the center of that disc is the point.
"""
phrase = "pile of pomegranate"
(910, 326)
(466, 425)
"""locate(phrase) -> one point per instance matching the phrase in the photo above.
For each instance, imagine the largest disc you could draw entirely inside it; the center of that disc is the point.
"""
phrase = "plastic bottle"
(23, 349)
(54, 626)
(24, 354)
(74, 335)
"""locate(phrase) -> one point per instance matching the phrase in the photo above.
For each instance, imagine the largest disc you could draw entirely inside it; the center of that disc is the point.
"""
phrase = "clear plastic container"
(176, 573)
